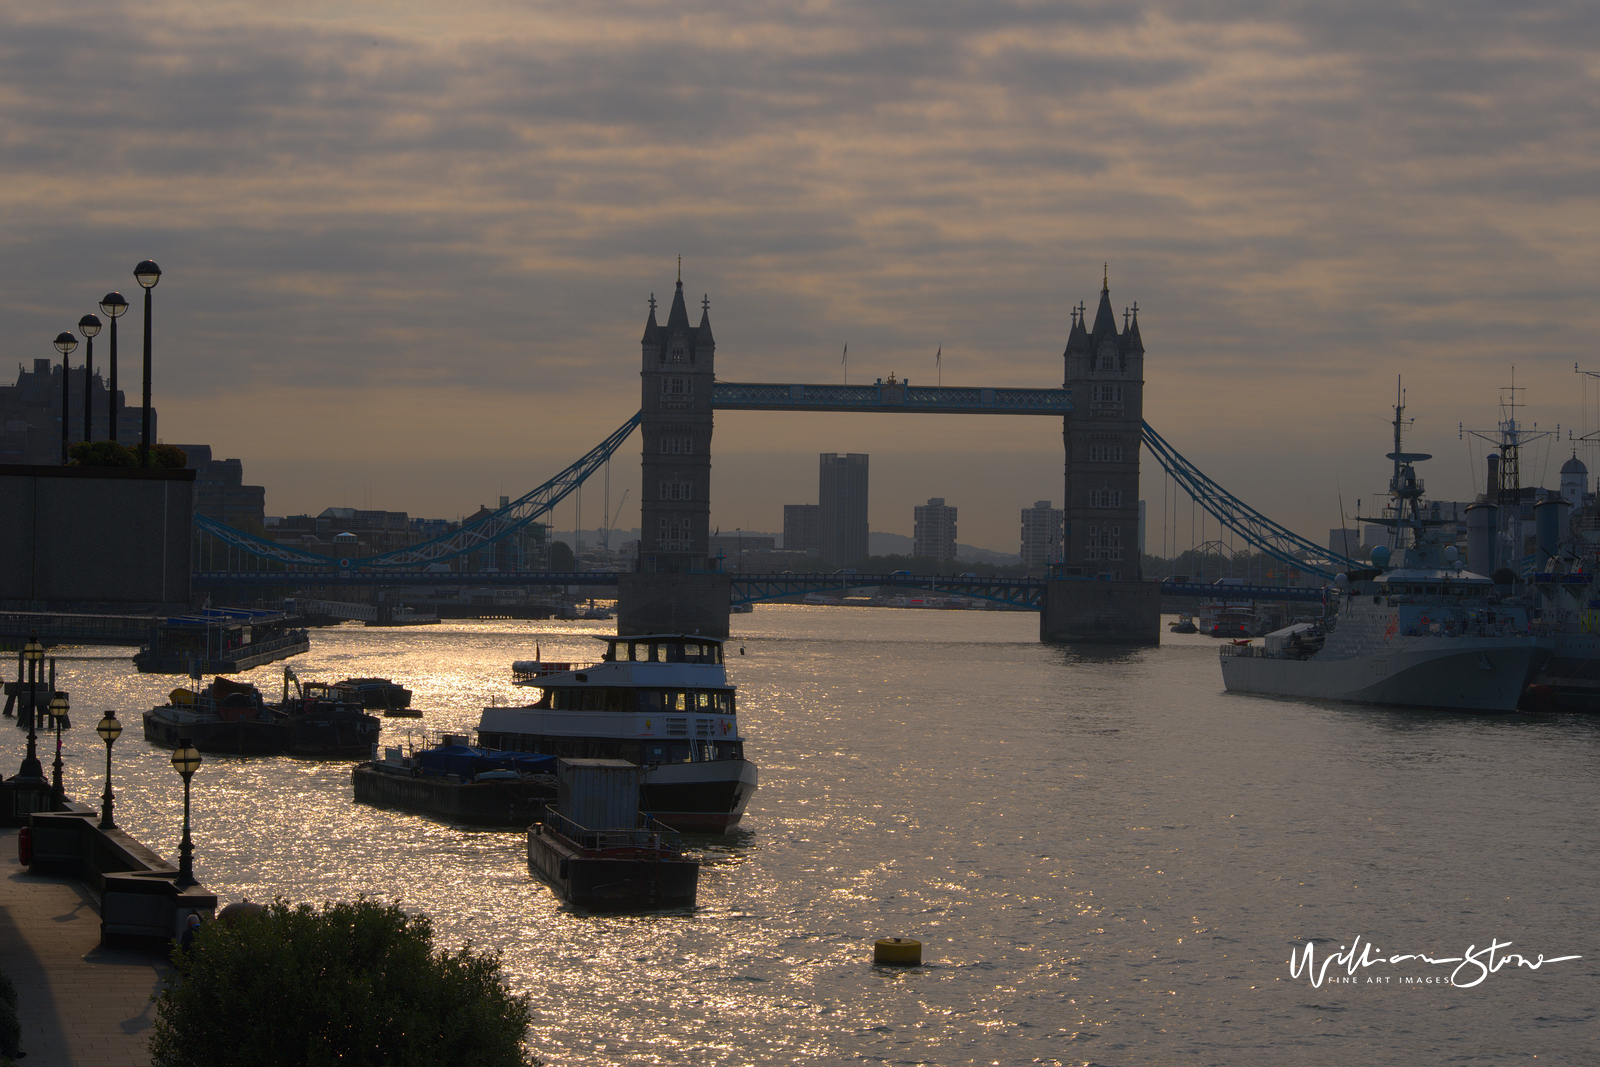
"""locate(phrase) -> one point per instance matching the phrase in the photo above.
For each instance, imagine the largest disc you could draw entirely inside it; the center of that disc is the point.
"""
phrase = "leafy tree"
(102, 454)
(356, 984)
(168, 456)
(561, 557)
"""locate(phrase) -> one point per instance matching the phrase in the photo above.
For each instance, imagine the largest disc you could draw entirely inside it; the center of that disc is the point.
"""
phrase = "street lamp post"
(114, 307)
(109, 730)
(32, 653)
(65, 343)
(147, 274)
(58, 712)
(89, 325)
(186, 760)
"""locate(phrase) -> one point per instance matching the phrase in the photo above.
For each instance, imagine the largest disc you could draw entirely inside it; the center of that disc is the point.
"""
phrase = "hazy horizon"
(408, 249)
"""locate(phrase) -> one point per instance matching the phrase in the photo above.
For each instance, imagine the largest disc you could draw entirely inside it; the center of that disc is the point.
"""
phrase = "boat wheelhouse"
(660, 701)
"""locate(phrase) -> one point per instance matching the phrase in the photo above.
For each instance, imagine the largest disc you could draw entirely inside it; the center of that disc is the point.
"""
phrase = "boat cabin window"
(589, 698)
(709, 701)
(667, 651)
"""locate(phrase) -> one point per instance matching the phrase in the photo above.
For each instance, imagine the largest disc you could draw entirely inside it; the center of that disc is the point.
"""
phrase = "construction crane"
(605, 529)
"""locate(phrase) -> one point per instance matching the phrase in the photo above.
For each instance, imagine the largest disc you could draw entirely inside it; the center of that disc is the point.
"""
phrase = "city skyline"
(407, 251)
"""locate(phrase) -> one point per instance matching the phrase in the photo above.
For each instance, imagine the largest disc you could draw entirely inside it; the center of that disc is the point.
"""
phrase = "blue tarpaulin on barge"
(465, 761)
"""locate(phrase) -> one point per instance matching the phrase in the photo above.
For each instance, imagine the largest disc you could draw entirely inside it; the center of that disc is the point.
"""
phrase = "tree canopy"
(355, 984)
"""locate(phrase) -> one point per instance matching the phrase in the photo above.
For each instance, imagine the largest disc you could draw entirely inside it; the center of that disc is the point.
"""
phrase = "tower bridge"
(1098, 593)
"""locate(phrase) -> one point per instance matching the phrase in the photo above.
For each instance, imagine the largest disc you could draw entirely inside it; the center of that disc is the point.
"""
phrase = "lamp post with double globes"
(147, 274)
(109, 730)
(65, 343)
(186, 760)
(58, 712)
(114, 308)
(32, 655)
(89, 325)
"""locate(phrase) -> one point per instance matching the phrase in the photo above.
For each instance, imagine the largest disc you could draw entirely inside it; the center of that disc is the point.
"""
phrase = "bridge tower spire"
(1105, 371)
(676, 373)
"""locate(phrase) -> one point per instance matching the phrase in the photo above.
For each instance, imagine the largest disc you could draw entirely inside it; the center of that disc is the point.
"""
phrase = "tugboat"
(598, 851)
(326, 720)
(1417, 631)
(659, 701)
(375, 693)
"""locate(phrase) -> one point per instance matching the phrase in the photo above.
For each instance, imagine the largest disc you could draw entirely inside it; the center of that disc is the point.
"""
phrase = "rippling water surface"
(1108, 859)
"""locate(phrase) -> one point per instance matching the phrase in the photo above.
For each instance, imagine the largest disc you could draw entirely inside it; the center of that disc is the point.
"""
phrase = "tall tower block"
(675, 378)
(1105, 371)
(672, 591)
(1100, 540)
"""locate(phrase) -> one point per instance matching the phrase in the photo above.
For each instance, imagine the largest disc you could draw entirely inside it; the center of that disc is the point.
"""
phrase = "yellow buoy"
(897, 951)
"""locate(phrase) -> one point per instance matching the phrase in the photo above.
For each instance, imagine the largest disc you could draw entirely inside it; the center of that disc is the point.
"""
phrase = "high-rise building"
(220, 492)
(1041, 534)
(1345, 542)
(1105, 371)
(842, 508)
(800, 530)
(30, 415)
(934, 532)
(675, 488)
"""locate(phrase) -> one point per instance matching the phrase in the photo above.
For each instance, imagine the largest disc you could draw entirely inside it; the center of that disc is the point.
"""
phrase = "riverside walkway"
(80, 1005)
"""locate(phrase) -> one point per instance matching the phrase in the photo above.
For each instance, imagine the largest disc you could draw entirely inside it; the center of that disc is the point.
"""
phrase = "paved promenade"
(80, 1005)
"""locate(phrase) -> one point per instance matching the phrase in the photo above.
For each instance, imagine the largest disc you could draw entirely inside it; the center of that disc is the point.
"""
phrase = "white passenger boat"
(661, 701)
(1421, 631)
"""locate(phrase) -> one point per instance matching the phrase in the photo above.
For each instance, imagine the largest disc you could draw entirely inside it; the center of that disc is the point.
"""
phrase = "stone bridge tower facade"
(675, 376)
(1105, 371)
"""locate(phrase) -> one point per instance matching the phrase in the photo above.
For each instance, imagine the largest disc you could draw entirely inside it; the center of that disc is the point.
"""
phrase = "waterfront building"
(1345, 542)
(1041, 534)
(1105, 371)
(220, 492)
(676, 376)
(934, 532)
(842, 508)
(30, 414)
(801, 528)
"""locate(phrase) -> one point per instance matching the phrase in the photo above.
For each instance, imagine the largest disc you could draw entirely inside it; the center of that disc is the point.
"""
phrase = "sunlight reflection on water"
(1105, 856)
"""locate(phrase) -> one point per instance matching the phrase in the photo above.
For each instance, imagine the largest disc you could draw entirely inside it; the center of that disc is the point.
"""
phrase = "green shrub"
(167, 456)
(355, 984)
(102, 454)
(10, 1033)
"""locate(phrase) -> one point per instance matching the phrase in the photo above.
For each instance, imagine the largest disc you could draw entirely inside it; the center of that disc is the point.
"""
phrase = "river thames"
(1108, 859)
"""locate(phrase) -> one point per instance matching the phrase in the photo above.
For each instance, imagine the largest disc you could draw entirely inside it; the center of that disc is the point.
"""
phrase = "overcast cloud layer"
(408, 247)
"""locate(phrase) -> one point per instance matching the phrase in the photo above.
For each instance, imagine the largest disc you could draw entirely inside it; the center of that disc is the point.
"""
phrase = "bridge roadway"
(1026, 593)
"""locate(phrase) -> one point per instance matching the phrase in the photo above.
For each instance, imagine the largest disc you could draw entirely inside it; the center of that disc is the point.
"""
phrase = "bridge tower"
(1105, 372)
(675, 395)
(672, 589)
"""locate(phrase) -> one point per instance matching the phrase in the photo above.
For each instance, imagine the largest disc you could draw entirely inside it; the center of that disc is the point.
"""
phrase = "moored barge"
(597, 851)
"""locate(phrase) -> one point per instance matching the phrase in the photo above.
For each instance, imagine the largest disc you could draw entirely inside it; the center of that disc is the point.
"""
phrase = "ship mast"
(1405, 488)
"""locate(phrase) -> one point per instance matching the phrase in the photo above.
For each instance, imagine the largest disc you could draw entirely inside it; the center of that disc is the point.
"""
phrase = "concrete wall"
(91, 538)
(673, 603)
(1124, 613)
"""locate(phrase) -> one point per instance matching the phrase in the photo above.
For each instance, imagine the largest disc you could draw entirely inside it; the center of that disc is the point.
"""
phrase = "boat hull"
(337, 734)
(497, 803)
(613, 880)
(700, 798)
(1462, 674)
(240, 737)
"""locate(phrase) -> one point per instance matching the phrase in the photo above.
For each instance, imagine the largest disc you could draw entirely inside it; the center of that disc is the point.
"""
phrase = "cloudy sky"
(408, 247)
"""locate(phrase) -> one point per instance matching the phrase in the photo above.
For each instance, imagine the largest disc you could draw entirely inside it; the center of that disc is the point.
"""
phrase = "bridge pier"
(673, 603)
(1101, 612)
